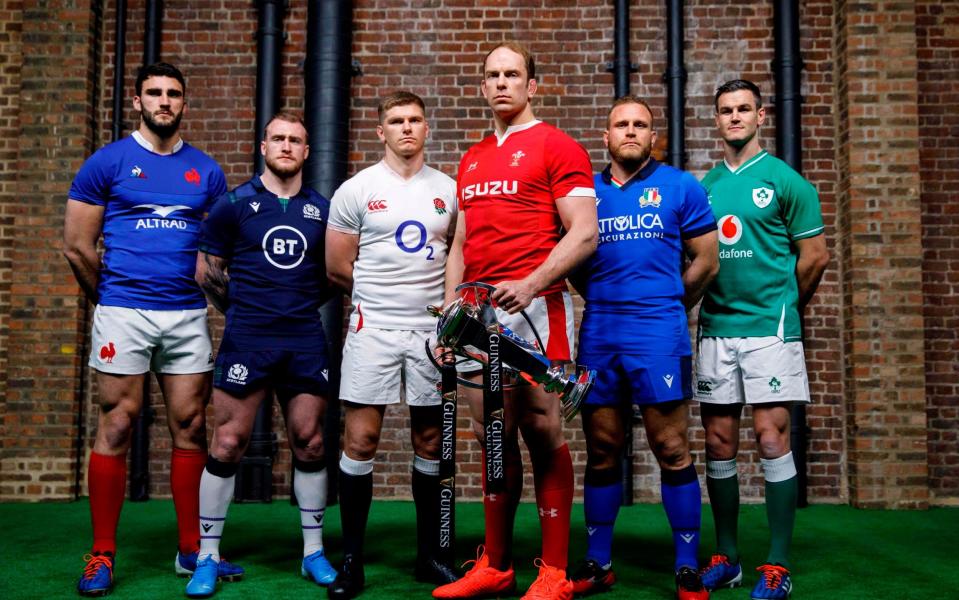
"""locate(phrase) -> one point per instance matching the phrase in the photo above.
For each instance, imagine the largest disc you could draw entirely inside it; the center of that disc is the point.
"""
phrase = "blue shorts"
(637, 378)
(286, 372)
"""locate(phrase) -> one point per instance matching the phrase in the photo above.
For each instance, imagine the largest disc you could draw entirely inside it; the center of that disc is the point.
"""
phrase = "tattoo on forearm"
(216, 283)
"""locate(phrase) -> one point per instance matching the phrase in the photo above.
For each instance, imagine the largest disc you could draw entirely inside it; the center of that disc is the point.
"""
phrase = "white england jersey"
(404, 227)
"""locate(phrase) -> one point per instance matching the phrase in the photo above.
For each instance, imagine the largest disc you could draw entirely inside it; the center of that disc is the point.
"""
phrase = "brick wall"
(54, 135)
(436, 51)
(937, 27)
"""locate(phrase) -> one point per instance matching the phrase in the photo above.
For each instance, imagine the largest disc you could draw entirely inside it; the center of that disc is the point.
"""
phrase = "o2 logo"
(284, 247)
(411, 237)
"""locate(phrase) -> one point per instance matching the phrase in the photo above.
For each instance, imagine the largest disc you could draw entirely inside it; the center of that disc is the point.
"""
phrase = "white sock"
(310, 490)
(215, 496)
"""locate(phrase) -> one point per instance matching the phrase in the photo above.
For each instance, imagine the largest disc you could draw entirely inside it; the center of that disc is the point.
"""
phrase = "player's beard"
(163, 131)
(631, 160)
(282, 170)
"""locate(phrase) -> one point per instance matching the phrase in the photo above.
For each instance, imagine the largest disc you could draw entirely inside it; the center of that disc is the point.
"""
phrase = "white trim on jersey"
(501, 139)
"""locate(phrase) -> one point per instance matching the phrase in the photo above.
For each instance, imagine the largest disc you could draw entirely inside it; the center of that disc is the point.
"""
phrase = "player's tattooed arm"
(83, 224)
(812, 261)
(703, 253)
(213, 279)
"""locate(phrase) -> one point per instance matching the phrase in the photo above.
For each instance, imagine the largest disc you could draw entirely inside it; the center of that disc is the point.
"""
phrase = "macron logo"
(687, 537)
(669, 380)
(590, 531)
(163, 211)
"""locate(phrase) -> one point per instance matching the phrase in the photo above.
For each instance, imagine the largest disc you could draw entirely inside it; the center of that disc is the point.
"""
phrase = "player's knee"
(115, 429)
(190, 429)
(602, 452)
(362, 445)
(719, 446)
(427, 446)
(228, 446)
(308, 447)
(671, 452)
(772, 443)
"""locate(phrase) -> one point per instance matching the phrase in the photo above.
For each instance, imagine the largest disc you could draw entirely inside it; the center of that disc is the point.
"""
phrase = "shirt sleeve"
(216, 186)
(800, 206)
(345, 214)
(570, 171)
(93, 181)
(219, 229)
(696, 216)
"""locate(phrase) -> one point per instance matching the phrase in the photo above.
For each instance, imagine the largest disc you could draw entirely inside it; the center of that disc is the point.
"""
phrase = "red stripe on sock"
(553, 477)
(186, 468)
(107, 480)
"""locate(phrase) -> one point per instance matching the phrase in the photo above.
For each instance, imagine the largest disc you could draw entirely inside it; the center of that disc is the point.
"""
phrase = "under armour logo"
(491, 497)
(548, 512)
(207, 527)
(687, 537)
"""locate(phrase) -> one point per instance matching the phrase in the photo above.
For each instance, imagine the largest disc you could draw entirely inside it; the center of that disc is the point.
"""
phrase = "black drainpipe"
(119, 65)
(140, 440)
(787, 67)
(621, 68)
(254, 478)
(675, 78)
(328, 70)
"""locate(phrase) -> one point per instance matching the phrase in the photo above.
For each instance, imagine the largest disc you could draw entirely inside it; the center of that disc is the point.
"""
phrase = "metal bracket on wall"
(611, 67)
(356, 68)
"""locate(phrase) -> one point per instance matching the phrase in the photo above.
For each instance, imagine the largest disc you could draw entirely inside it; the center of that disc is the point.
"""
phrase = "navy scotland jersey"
(153, 205)
(633, 284)
(275, 252)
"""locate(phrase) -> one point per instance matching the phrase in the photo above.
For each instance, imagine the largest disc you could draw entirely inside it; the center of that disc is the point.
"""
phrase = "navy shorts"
(286, 372)
(637, 379)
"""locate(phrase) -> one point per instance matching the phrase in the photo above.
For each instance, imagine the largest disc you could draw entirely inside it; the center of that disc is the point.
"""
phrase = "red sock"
(107, 481)
(500, 511)
(553, 477)
(186, 468)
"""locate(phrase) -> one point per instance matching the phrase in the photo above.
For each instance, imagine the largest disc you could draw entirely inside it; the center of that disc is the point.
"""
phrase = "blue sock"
(683, 504)
(602, 495)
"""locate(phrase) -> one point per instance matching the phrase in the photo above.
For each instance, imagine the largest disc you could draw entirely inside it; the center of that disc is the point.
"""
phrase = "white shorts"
(552, 315)
(751, 370)
(131, 341)
(383, 366)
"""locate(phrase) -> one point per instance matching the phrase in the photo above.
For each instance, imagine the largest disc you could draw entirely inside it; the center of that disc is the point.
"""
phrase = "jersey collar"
(146, 145)
(640, 175)
(762, 154)
(257, 184)
(500, 140)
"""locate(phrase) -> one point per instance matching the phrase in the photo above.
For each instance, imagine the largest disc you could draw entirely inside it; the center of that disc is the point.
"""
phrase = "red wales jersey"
(508, 187)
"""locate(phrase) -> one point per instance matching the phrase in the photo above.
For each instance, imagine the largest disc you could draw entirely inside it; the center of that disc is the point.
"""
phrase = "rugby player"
(772, 255)
(261, 263)
(529, 217)
(146, 195)
(389, 233)
(635, 335)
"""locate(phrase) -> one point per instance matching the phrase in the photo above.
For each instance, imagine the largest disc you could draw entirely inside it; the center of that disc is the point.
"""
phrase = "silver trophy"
(465, 327)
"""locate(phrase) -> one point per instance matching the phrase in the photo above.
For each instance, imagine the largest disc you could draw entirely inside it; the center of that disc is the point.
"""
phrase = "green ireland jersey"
(761, 208)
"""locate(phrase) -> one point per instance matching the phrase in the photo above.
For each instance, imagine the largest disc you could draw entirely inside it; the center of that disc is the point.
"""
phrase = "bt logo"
(284, 247)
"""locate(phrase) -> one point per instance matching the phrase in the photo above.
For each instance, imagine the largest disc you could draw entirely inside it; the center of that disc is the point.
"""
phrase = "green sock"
(781, 491)
(722, 483)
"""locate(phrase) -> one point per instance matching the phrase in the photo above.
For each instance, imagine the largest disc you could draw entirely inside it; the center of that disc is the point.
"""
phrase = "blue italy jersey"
(153, 205)
(277, 268)
(633, 283)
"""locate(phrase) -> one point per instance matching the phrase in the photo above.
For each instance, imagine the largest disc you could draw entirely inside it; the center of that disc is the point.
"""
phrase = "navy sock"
(683, 505)
(602, 495)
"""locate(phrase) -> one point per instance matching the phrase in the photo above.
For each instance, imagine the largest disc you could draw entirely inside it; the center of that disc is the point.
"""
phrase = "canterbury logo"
(376, 205)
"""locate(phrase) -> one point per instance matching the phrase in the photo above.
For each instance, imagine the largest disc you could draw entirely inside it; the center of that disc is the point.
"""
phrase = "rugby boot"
(720, 573)
(203, 582)
(97, 578)
(774, 583)
(481, 581)
(185, 564)
(689, 585)
(551, 584)
(349, 581)
(432, 570)
(590, 578)
(317, 568)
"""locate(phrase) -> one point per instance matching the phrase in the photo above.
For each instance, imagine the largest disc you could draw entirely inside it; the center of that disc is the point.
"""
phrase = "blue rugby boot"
(774, 583)
(203, 582)
(318, 568)
(97, 579)
(720, 573)
(185, 564)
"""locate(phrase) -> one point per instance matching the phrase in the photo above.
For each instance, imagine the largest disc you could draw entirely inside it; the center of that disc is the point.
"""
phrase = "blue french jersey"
(633, 283)
(153, 205)
(275, 251)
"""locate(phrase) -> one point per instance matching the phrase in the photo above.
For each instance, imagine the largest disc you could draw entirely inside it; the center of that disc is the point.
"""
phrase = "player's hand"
(444, 355)
(514, 295)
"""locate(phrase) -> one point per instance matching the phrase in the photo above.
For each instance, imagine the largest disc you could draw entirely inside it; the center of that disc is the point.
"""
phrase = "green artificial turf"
(838, 552)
